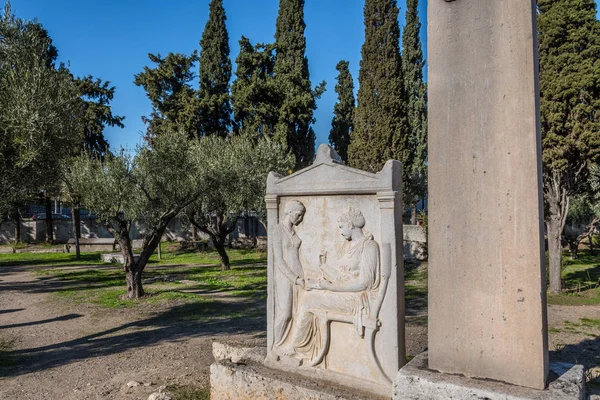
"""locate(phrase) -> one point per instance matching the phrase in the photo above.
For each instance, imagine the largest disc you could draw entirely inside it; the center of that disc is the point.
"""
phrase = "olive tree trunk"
(220, 247)
(17, 220)
(134, 268)
(217, 228)
(76, 218)
(49, 230)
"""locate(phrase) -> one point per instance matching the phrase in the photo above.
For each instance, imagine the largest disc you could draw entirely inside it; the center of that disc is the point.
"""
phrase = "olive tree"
(151, 188)
(39, 110)
(234, 183)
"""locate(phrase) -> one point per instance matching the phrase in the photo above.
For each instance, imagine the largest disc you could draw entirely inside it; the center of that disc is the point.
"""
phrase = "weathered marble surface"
(335, 306)
(487, 311)
(237, 374)
(415, 381)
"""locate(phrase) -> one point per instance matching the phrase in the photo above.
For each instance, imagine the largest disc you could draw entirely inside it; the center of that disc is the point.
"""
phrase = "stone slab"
(247, 378)
(487, 311)
(415, 381)
(335, 307)
(115, 258)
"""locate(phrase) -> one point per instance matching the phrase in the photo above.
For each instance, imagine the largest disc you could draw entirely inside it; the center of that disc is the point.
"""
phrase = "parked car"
(42, 216)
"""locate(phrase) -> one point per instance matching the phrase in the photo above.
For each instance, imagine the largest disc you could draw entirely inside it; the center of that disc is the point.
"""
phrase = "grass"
(187, 277)
(189, 393)
(415, 287)
(210, 256)
(48, 259)
(585, 326)
(581, 280)
(6, 346)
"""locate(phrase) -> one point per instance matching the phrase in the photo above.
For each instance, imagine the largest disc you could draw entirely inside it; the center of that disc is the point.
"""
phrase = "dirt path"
(80, 352)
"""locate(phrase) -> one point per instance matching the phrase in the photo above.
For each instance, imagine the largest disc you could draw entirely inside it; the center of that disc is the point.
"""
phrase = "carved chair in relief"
(370, 322)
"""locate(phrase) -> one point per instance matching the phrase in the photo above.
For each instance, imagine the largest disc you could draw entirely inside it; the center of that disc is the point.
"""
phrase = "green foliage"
(39, 110)
(415, 90)
(233, 182)
(96, 96)
(582, 211)
(215, 73)
(168, 87)
(343, 111)
(255, 96)
(380, 120)
(293, 130)
(233, 178)
(569, 50)
(159, 180)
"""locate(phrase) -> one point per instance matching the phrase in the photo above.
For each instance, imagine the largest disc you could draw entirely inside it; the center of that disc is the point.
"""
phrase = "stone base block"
(246, 377)
(115, 258)
(415, 381)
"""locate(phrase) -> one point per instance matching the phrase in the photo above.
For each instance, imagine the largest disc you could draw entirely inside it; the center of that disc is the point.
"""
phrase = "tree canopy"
(569, 57)
(380, 119)
(97, 114)
(215, 73)
(415, 91)
(343, 111)
(233, 183)
(39, 110)
(255, 96)
(298, 101)
(169, 89)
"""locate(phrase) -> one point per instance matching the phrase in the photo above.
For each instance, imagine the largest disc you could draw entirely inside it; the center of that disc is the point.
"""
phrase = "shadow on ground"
(178, 323)
(44, 321)
(586, 352)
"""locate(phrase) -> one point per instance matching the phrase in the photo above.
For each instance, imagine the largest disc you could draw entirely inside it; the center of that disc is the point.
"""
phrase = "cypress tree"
(254, 93)
(416, 102)
(569, 50)
(215, 72)
(343, 110)
(298, 102)
(380, 124)
(96, 96)
(168, 87)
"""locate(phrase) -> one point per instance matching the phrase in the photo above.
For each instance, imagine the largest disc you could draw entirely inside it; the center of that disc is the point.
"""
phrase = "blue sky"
(110, 39)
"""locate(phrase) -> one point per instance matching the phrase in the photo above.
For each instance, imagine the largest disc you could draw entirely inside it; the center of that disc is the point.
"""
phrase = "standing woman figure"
(289, 275)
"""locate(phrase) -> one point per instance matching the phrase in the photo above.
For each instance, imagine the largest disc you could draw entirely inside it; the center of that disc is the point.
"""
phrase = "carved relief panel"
(335, 306)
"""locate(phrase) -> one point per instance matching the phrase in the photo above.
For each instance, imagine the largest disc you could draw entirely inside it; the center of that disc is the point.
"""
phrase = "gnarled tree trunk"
(217, 230)
(220, 247)
(558, 204)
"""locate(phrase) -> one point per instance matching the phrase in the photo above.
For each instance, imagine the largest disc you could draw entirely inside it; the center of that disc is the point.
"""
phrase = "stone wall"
(35, 231)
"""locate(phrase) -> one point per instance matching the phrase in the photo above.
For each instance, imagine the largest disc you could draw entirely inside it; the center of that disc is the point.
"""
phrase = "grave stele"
(335, 306)
(487, 306)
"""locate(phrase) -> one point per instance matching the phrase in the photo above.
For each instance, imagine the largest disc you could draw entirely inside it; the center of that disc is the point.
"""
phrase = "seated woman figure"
(347, 288)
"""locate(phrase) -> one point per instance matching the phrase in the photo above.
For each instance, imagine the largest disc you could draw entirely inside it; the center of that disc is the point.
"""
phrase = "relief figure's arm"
(352, 285)
(366, 277)
(329, 272)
